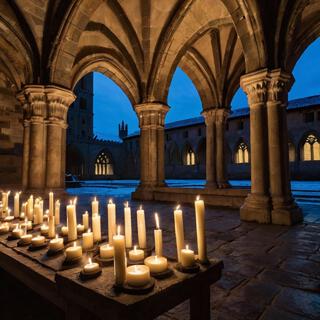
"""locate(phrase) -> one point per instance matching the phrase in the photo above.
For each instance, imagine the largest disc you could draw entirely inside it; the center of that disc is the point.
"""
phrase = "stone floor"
(271, 272)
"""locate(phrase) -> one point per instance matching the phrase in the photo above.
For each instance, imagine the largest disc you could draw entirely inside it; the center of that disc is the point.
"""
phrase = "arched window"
(103, 165)
(292, 152)
(311, 148)
(190, 157)
(242, 153)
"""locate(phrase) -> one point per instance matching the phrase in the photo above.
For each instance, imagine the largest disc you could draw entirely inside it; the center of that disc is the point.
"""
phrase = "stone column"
(221, 120)
(58, 102)
(151, 122)
(210, 121)
(257, 204)
(44, 138)
(284, 209)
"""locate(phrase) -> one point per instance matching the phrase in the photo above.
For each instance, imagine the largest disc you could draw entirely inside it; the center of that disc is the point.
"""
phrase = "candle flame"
(70, 202)
(89, 230)
(156, 258)
(47, 211)
(74, 244)
(26, 220)
(157, 220)
(135, 248)
(57, 237)
(75, 200)
(95, 199)
(187, 247)
(118, 230)
(90, 261)
(110, 201)
(126, 204)
(198, 198)
(140, 208)
(178, 207)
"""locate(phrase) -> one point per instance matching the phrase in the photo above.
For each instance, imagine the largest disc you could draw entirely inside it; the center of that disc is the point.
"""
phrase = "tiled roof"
(300, 103)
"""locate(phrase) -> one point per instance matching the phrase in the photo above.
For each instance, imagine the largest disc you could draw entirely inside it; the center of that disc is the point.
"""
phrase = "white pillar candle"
(16, 205)
(106, 251)
(96, 227)
(87, 240)
(136, 254)
(36, 214)
(4, 228)
(201, 231)
(41, 211)
(127, 225)
(44, 230)
(85, 220)
(95, 206)
(30, 208)
(51, 213)
(56, 244)
(156, 264)
(72, 221)
(138, 275)
(17, 232)
(187, 257)
(38, 241)
(9, 217)
(91, 267)
(5, 201)
(64, 231)
(111, 220)
(178, 226)
(57, 212)
(74, 252)
(119, 258)
(52, 227)
(141, 223)
(158, 237)
(26, 238)
(24, 208)
(80, 228)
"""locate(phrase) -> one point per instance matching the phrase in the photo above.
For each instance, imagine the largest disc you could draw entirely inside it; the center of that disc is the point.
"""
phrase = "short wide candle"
(138, 275)
(74, 252)
(56, 244)
(38, 241)
(91, 267)
(87, 240)
(187, 257)
(136, 254)
(106, 251)
(156, 264)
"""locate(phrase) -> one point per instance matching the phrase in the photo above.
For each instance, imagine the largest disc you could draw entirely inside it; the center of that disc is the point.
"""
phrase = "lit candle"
(27, 225)
(38, 241)
(17, 232)
(91, 267)
(64, 231)
(142, 235)
(36, 214)
(74, 252)
(26, 238)
(30, 208)
(95, 206)
(16, 204)
(136, 254)
(24, 208)
(56, 244)
(187, 257)
(111, 220)
(119, 258)
(106, 251)
(5, 201)
(138, 275)
(201, 231)
(178, 225)
(4, 228)
(158, 237)
(57, 212)
(87, 240)
(9, 217)
(44, 230)
(80, 228)
(50, 204)
(41, 217)
(85, 220)
(127, 225)
(96, 227)
(72, 221)
(156, 264)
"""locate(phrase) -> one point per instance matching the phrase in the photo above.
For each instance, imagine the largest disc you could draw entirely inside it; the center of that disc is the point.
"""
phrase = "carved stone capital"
(222, 115)
(255, 85)
(151, 115)
(279, 86)
(209, 116)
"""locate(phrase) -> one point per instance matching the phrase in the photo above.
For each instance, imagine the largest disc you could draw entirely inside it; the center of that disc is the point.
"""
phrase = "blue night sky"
(111, 105)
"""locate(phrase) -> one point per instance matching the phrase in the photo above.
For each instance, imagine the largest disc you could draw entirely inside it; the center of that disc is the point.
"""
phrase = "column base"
(256, 208)
(223, 185)
(285, 212)
(145, 191)
(211, 185)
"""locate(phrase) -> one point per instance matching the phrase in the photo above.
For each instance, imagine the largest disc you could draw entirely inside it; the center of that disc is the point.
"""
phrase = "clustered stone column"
(270, 200)
(151, 122)
(44, 142)
(215, 119)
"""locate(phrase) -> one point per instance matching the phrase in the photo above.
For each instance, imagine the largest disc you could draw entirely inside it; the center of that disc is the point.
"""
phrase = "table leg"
(200, 304)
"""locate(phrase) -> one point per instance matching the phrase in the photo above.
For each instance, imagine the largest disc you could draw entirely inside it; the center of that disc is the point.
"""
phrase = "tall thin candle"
(178, 225)
(111, 220)
(201, 231)
(127, 225)
(142, 235)
(158, 237)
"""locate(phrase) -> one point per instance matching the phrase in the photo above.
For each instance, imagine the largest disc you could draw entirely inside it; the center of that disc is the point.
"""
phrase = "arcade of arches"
(220, 45)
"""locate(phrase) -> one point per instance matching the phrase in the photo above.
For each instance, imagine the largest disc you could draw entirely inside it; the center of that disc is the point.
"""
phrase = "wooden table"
(97, 297)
